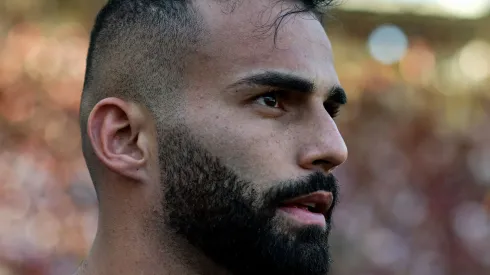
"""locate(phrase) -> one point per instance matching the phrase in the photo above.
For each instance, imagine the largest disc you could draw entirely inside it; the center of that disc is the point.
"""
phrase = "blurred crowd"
(47, 204)
(415, 191)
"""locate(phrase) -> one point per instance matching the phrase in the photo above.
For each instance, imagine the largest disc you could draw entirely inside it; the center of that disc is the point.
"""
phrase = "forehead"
(240, 40)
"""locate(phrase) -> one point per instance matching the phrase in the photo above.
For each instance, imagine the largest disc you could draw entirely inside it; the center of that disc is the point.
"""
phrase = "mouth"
(312, 209)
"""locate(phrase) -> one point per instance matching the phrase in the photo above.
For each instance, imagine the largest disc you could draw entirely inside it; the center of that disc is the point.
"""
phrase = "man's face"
(246, 174)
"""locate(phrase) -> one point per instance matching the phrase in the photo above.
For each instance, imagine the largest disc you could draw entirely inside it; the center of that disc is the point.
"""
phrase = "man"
(208, 131)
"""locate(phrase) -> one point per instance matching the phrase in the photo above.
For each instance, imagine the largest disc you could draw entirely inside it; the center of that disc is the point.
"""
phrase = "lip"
(322, 199)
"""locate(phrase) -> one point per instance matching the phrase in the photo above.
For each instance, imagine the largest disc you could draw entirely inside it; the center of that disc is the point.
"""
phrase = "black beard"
(231, 222)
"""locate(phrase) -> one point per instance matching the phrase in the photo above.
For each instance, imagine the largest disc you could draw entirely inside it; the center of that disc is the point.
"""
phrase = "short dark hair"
(139, 50)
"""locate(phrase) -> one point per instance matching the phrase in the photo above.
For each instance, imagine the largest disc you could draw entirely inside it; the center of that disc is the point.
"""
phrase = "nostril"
(321, 162)
(323, 165)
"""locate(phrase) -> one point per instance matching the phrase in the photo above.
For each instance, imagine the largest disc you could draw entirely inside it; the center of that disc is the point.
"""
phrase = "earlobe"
(114, 131)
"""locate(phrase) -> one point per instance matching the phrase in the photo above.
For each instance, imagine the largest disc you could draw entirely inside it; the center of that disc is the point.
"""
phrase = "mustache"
(291, 189)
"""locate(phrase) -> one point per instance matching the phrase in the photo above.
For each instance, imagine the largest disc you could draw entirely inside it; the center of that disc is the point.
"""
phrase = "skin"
(262, 144)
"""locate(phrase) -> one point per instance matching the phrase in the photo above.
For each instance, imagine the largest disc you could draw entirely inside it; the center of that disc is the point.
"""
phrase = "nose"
(322, 146)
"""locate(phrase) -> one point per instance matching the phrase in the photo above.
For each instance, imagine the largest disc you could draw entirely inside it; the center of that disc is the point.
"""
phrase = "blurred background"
(415, 194)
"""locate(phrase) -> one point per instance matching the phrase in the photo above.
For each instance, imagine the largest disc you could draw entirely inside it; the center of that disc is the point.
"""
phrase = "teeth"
(312, 205)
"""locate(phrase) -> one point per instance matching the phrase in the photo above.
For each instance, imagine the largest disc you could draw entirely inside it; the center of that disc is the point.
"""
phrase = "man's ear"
(116, 130)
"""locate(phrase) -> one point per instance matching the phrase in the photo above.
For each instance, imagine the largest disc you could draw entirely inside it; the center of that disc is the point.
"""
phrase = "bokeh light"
(472, 223)
(388, 44)
(468, 8)
(419, 64)
(385, 248)
(474, 60)
(479, 162)
(409, 208)
(427, 263)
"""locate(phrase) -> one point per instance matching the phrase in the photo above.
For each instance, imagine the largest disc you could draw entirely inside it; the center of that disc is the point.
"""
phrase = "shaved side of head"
(138, 52)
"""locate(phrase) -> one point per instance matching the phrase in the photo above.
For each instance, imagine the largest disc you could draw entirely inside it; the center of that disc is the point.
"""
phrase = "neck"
(127, 250)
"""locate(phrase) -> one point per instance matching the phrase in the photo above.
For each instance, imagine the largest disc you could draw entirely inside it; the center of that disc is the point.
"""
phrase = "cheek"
(258, 150)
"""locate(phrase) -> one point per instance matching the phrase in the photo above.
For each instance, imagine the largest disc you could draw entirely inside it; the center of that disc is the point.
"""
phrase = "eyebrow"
(290, 82)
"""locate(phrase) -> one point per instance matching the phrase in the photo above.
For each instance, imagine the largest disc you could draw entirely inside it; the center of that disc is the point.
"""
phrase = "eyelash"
(279, 95)
(332, 108)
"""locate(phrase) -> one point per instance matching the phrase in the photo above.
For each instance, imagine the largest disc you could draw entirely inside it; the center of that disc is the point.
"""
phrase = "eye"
(271, 99)
(332, 108)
